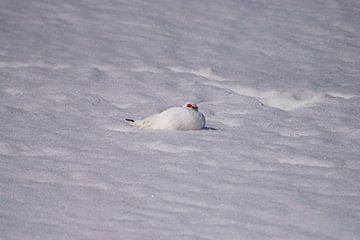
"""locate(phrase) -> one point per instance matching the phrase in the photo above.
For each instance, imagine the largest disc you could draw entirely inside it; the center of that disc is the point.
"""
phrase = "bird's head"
(191, 106)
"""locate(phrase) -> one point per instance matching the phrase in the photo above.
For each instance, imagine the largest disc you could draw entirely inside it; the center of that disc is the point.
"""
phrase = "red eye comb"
(188, 105)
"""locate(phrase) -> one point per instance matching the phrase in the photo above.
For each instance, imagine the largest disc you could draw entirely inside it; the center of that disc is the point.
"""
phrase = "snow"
(278, 83)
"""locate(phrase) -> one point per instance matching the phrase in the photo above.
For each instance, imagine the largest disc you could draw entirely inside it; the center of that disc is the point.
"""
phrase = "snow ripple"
(284, 100)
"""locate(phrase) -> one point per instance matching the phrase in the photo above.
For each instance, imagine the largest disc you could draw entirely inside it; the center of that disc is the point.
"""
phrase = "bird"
(186, 117)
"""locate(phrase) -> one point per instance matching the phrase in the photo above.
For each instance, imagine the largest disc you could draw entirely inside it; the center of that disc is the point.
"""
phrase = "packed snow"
(278, 82)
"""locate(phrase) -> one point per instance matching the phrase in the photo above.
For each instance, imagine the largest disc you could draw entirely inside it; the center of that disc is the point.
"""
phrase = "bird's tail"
(130, 121)
(138, 123)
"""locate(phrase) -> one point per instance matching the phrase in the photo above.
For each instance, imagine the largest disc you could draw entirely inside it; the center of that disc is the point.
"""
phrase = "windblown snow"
(278, 82)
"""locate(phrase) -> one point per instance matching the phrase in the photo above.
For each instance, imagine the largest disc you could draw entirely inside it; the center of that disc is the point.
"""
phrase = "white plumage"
(176, 118)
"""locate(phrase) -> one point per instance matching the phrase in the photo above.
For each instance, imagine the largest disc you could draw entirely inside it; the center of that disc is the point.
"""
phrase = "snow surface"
(278, 82)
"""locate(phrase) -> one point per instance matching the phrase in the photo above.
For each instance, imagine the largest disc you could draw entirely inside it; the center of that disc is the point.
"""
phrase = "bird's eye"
(189, 105)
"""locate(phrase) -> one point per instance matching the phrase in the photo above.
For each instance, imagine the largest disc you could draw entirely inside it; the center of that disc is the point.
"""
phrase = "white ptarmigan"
(186, 117)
